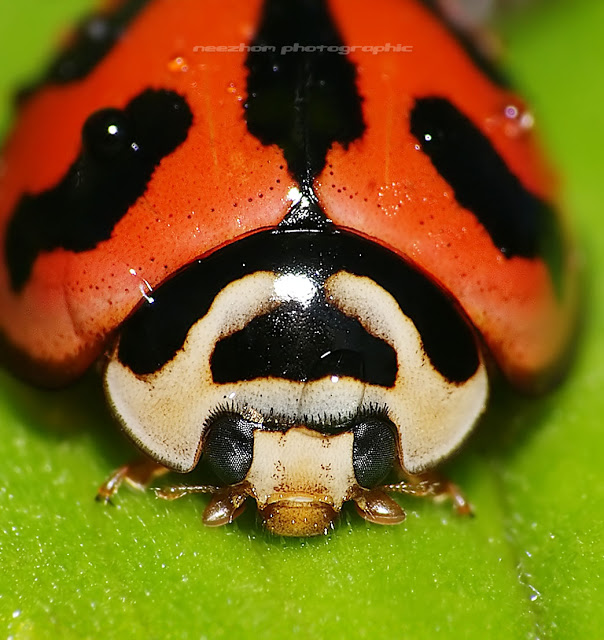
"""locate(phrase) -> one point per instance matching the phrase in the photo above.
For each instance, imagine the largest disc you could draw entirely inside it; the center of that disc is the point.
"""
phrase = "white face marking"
(300, 464)
(166, 412)
(432, 415)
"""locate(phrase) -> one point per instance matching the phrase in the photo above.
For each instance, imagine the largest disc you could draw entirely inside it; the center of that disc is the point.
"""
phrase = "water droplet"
(511, 111)
(178, 64)
(515, 120)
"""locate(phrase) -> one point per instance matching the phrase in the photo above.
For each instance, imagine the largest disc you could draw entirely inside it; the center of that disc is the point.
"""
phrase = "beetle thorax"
(305, 365)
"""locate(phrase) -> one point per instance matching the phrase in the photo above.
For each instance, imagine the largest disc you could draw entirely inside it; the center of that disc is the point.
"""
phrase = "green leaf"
(529, 565)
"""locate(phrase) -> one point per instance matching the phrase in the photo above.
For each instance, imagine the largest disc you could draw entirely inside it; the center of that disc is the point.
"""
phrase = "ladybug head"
(299, 475)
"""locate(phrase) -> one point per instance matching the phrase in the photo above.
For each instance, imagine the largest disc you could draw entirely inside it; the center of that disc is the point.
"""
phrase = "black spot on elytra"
(302, 343)
(120, 151)
(519, 223)
(91, 42)
(302, 100)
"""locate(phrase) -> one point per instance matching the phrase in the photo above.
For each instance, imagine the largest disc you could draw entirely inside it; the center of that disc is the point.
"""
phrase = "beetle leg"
(226, 504)
(376, 506)
(176, 491)
(137, 474)
(434, 485)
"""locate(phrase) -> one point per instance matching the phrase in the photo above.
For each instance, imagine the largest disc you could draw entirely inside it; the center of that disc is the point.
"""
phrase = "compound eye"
(106, 134)
(229, 447)
(373, 450)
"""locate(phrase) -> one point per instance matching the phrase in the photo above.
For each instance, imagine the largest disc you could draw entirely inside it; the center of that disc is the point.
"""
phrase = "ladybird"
(300, 237)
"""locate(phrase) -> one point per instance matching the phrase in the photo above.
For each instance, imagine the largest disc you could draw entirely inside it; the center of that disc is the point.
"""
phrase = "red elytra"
(222, 183)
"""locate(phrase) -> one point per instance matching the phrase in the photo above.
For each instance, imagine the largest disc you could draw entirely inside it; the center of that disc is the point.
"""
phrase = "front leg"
(226, 504)
(137, 473)
(432, 484)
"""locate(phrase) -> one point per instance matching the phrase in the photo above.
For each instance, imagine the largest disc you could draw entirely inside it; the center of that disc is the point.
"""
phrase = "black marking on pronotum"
(304, 343)
(519, 223)
(468, 43)
(302, 93)
(153, 335)
(95, 36)
(120, 151)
